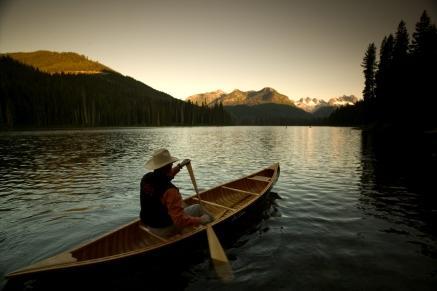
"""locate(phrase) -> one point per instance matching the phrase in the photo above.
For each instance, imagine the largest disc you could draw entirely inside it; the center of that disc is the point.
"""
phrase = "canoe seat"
(214, 204)
(260, 178)
(240, 191)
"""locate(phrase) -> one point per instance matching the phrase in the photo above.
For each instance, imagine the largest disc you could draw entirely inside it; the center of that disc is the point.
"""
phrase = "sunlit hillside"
(60, 62)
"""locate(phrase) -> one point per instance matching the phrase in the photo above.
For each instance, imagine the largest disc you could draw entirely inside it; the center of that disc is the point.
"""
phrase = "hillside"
(31, 98)
(269, 114)
(54, 62)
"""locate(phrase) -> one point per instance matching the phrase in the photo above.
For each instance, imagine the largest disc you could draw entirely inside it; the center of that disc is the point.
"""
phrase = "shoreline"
(21, 129)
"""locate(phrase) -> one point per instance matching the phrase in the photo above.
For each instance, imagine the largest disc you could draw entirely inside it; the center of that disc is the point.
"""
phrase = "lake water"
(347, 220)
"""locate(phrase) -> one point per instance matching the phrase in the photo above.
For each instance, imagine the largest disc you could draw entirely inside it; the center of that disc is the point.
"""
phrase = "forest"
(31, 98)
(72, 91)
(400, 86)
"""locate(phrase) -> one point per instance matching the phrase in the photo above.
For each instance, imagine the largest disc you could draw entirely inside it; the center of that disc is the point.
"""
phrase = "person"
(162, 208)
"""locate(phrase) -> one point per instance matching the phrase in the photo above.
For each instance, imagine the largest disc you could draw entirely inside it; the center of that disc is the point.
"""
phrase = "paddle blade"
(218, 256)
(216, 250)
(223, 271)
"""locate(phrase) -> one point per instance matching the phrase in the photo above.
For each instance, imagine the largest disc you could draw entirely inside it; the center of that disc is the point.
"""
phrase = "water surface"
(345, 220)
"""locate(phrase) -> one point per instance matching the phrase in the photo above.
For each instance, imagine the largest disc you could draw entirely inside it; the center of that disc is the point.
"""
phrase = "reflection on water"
(354, 214)
(397, 186)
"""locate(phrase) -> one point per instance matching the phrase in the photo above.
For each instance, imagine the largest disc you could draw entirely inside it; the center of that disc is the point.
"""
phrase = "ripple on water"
(341, 223)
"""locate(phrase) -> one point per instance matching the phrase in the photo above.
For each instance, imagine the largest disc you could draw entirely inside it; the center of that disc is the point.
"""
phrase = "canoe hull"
(229, 228)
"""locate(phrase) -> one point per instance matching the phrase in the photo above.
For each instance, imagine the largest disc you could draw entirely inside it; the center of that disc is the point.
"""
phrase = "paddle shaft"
(193, 180)
(215, 248)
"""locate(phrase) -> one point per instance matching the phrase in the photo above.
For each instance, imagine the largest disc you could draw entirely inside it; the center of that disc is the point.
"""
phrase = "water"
(346, 220)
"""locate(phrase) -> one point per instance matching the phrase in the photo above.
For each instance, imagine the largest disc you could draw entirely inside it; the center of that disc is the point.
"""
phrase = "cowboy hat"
(159, 159)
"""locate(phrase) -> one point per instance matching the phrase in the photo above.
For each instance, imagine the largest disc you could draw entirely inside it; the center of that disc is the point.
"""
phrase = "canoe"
(228, 203)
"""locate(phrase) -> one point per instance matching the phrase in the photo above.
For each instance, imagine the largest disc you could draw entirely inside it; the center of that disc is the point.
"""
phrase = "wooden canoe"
(227, 202)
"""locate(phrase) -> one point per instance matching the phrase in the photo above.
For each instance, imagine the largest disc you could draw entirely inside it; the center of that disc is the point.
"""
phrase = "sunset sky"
(302, 48)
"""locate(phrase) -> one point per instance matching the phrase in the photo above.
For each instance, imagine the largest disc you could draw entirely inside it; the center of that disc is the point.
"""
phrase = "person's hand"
(205, 219)
(184, 163)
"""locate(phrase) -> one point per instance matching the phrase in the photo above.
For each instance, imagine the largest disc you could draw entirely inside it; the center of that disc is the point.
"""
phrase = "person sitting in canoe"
(162, 208)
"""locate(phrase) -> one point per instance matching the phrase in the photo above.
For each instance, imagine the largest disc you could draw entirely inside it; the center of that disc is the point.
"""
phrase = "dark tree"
(424, 63)
(401, 44)
(424, 43)
(405, 97)
(369, 65)
(383, 76)
(401, 91)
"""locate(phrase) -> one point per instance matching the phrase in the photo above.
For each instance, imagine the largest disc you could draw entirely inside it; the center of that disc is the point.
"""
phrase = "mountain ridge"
(314, 104)
(238, 97)
(270, 95)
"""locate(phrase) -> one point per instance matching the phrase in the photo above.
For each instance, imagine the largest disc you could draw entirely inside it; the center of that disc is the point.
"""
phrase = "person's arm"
(175, 170)
(179, 166)
(173, 201)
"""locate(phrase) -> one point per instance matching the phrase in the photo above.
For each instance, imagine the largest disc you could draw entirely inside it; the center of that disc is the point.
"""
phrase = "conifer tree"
(405, 80)
(424, 64)
(424, 43)
(400, 91)
(369, 65)
(401, 44)
(383, 78)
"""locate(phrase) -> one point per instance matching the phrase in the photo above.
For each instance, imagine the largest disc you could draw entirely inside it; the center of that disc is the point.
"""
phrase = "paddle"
(218, 255)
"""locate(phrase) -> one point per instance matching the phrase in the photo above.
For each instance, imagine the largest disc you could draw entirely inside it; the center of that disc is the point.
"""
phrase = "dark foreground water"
(350, 218)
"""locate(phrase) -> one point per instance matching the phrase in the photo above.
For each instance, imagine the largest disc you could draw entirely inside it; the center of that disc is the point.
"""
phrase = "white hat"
(159, 159)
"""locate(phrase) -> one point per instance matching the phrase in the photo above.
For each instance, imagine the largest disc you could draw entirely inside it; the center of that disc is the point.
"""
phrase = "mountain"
(323, 108)
(240, 103)
(269, 95)
(263, 107)
(55, 62)
(237, 97)
(310, 104)
(205, 98)
(333, 104)
(44, 90)
(343, 101)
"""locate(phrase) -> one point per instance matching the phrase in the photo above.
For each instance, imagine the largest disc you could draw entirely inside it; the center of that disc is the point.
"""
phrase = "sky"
(302, 48)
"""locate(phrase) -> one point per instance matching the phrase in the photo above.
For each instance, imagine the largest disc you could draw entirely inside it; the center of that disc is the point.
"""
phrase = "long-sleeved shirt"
(173, 201)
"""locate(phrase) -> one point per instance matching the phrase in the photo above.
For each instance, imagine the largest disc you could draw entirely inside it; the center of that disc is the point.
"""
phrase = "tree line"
(400, 88)
(30, 98)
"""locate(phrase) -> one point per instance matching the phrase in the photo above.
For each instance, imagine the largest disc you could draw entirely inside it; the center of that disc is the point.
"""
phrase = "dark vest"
(153, 213)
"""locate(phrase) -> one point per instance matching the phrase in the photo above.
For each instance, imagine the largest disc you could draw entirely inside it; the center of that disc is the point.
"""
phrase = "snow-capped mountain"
(313, 104)
(343, 100)
(310, 104)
